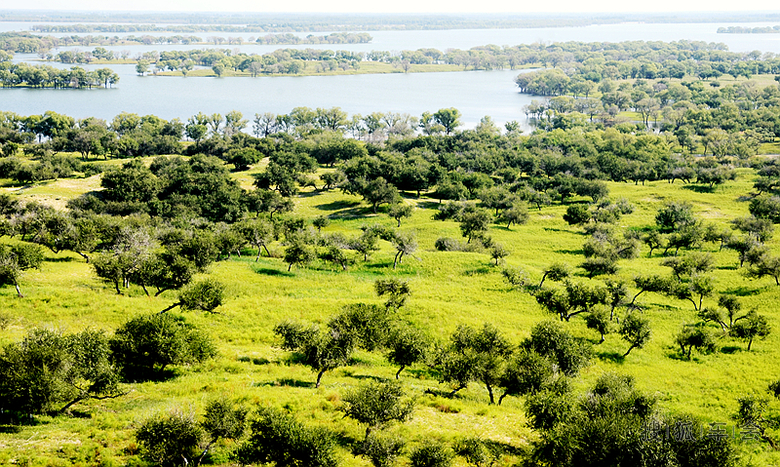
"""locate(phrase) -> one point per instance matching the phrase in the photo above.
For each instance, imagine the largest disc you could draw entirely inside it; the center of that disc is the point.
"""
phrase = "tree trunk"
(18, 291)
(319, 377)
(398, 373)
(490, 393)
(171, 307)
(629, 350)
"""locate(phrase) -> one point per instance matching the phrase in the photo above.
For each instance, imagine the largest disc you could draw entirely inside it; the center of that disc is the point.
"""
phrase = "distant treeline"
(310, 22)
(23, 42)
(743, 30)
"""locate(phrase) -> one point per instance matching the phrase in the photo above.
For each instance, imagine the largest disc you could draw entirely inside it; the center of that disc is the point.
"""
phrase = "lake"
(475, 94)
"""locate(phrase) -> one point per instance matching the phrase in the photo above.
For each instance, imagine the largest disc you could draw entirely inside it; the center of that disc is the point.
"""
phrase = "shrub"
(48, 371)
(170, 440)
(431, 454)
(383, 450)
(278, 437)
(146, 345)
(447, 244)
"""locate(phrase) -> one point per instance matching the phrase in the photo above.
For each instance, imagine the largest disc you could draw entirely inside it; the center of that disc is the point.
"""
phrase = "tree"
(379, 191)
(474, 223)
(406, 346)
(366, 243)
(674, 215)
(635, 330)
(377, 404)
(550, 340)
(765, 265)
(298, 252)
(146, 345)
(205, 295)
(751, 413)
(697, 337)
(142, 67)
(527, 373)
(753, 325)
(277, 437)
(598, 320)
(15, 259)
(400, 211)
(577, 214)
(320, 350)
(555, 272)
(517, 215)
(259, 232)
(498, 252)
(474, 355)
(405, 244)
(50, 372)
(320, 222)
(614, 423)
(449, 119)
(396, 290)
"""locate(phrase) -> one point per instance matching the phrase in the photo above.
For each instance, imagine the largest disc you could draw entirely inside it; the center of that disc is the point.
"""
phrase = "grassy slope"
(448, 289)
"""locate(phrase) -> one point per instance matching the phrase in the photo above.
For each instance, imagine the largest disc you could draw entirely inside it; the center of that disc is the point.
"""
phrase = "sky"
(402, 6)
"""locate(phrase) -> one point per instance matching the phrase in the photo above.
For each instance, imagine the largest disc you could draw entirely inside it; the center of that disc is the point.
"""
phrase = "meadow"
(448, 289)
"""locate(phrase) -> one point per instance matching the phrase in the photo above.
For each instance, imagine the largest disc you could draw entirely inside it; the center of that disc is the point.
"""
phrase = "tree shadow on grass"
(63, 259)
(428, 205)
(288, 382)
(699, 188)
(271, 272)
(367, 377)
(337, 205)
(730, 349)
(743, 291)
(571, 252)
(614, 357)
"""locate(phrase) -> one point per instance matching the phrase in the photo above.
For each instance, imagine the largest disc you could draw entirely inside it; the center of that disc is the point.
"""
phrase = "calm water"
(475, 94)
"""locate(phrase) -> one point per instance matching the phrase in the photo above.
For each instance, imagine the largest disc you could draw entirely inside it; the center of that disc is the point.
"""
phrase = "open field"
(448, 289)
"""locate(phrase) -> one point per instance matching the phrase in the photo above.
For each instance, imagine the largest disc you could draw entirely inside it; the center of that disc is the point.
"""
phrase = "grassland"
(449, 288)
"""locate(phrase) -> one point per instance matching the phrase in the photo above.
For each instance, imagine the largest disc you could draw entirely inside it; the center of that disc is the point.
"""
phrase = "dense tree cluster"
(45, 76)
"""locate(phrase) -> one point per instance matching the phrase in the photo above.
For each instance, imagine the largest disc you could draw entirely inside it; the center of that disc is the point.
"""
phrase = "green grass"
(449, 288)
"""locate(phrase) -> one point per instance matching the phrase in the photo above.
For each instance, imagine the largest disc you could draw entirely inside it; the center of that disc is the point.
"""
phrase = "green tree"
(448, 118)
(377, 404)
(697, 337)
(205, 295)
(635, 330)
(406, 346)
(400, 211)
(752, 326)
(321, 350)
(474, 223)
(15, 260)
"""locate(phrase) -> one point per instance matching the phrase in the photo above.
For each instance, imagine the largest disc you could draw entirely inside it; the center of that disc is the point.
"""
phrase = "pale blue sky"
(402, 6)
